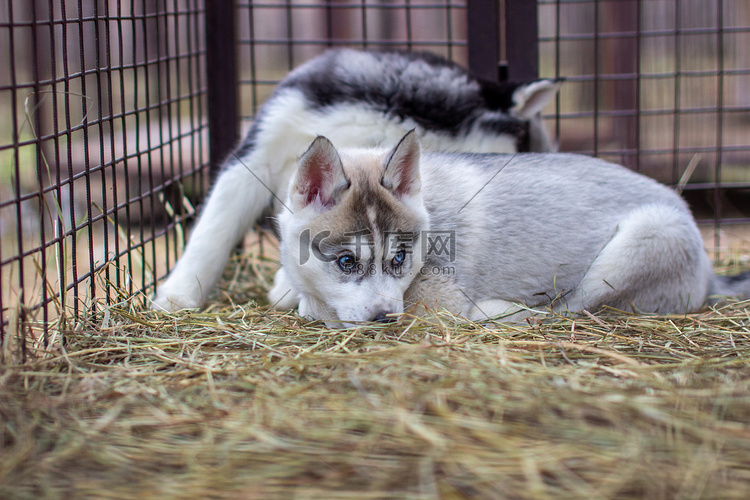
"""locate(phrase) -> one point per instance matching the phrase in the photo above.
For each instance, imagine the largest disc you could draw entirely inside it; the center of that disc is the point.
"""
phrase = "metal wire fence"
(659, 86)
(102, 142)
(275, 36)
(106, 107)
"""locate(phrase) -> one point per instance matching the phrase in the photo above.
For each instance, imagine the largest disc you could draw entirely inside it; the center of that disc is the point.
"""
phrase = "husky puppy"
(371, 233)
(357, 99)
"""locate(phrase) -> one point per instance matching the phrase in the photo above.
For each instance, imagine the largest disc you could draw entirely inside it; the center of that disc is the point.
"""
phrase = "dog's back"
(369, 99)
(451, 110)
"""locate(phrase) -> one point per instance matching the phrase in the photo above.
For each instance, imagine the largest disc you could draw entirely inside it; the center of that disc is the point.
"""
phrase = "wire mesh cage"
(105, 151)
(102, 145)
(659, 86)
(275, 36)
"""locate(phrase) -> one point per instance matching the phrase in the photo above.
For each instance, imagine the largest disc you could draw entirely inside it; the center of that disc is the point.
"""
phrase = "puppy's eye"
(347, 262)
(399, 258)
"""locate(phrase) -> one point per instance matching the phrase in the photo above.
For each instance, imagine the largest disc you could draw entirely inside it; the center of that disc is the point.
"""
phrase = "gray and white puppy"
(374, 232)
(357, 99)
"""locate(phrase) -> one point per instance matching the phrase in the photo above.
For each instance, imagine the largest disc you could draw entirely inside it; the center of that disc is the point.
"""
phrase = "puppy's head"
(350, 243)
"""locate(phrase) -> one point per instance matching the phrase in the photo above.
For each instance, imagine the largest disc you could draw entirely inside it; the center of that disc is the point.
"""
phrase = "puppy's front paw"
(172, 296)
(173, 302)
(283, 296)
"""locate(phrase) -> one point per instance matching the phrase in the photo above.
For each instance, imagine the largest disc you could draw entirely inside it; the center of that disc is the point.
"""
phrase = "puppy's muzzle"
(382, 317)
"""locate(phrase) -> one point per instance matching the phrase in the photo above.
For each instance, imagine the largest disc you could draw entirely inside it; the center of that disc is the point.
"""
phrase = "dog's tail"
(731, 286)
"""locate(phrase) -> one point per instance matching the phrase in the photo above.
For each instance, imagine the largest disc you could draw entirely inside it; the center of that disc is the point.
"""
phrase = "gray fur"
(531, 230)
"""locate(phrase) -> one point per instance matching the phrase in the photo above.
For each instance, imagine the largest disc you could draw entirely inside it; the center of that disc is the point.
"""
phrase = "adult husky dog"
(360, 99)
(523, 230)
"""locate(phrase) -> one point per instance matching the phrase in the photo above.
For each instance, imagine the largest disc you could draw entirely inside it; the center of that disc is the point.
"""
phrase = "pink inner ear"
(320, 173)
(312, 194)
(406, 171)
(313, 188)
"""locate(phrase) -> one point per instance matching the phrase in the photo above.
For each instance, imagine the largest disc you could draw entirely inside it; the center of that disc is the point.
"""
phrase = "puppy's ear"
(530, 99)
(320, 177)
(401, 171)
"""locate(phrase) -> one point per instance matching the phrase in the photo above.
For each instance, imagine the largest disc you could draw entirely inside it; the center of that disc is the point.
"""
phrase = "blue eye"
(347, 262)
(399, 258)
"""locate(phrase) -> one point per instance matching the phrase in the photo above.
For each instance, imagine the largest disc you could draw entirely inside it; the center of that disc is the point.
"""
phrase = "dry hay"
(239, 402)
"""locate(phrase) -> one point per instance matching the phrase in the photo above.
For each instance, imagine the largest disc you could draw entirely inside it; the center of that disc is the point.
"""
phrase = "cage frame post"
(222, 82)
(483, 38)
(502, 50)
(520, 37)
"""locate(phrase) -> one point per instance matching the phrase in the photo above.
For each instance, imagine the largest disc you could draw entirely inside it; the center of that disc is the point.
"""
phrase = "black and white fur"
(356, 99)
(563, 231)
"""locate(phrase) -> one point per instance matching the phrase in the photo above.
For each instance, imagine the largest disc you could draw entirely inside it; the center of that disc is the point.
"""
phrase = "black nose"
(382, 317)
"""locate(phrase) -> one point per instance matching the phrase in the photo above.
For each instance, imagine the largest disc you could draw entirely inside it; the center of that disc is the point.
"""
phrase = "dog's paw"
(172, 297)
(283, 295)
(173, 302)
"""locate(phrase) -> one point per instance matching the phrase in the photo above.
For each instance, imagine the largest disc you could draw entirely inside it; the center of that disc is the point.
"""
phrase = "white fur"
(529, 100)
(224, 221)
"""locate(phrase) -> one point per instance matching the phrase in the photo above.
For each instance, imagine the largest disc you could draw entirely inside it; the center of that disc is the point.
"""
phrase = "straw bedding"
(237, 401)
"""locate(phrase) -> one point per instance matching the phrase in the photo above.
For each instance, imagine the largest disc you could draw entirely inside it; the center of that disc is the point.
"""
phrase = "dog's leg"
(655, 262)
(442, 292)
(236, 201)
(499, 309)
